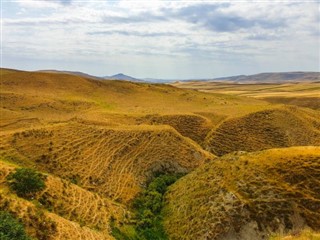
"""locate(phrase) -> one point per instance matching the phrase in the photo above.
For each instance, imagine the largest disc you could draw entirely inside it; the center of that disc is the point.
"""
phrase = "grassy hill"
(114, 161)
(58, 212)
(53, 96)
(304, 94)
(281, 127)
(102, 142)
(276, 77)
(247, 196)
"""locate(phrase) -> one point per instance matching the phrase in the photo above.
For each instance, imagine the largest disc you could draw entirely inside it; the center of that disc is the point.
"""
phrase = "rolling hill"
(101, 142)
(113, 161)
(282, 127)
(247, 196)
(280, 77)
(302, 94)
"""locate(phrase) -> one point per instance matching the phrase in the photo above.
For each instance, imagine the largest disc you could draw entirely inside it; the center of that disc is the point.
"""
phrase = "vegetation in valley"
(147, 207)
(11, 228)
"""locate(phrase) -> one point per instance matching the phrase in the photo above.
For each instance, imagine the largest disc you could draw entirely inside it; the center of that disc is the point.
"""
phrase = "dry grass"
(196, 127)
(304, 94)
(281, 127)
(305, 234)
(309, 102)
(247, 196)
(115, 162)
(68, 218)
(58, 97)
(111, 137)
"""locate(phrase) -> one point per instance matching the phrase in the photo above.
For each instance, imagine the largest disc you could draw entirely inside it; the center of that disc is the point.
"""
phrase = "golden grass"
(111, 137)
(196, 127)
(247, 195)
(114, 161)
(305, 234)
(51, 96)
(74, 212)
(304, 94)
(279, 127)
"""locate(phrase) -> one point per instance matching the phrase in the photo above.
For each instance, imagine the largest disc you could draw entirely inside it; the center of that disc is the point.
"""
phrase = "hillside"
(101, 143)
(247, 196)
(304, 94)
(113, 161)
(81, 74)
(280, 77)
(32, 92)
(58, 212)
(282, 127)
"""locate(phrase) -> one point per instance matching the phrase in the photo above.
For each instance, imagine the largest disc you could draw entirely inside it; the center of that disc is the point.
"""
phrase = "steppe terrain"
(248, 155)
(303, 94)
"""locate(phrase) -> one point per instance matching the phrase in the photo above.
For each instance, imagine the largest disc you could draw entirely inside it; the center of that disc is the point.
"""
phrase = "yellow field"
(101, 142)
(305, 94)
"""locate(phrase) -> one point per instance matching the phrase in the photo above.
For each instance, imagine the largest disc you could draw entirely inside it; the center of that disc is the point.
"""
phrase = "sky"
(161, 39)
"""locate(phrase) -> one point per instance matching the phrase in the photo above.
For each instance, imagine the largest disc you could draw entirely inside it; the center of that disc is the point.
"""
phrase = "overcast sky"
(161, 39)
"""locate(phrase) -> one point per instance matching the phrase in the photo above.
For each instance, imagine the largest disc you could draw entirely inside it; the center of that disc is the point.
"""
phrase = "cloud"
(142, 17)
(264, 37)
(44, 3)
(193, 32)
(65, 2)
(136, 33)
(213, 18)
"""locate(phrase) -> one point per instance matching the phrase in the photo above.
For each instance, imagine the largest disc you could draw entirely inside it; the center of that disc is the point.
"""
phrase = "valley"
(248, 156)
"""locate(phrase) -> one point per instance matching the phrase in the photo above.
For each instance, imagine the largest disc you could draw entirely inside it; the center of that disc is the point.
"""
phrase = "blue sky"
(161, 39)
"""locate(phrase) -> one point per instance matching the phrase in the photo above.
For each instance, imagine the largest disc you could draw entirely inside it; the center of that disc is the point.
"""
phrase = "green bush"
(11, 228)
(26, 182)
(161, 183)
(147, 207)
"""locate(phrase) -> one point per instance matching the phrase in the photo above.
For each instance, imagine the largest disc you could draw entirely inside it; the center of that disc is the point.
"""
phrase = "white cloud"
(177, 32)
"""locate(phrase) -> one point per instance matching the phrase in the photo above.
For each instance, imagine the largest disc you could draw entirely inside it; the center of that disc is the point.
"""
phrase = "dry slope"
(62, 211)
(113, 161)
(280, 127)
(247, 196)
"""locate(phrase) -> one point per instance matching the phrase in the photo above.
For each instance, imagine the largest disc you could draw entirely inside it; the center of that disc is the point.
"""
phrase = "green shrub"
(11, 228)
(161, 183)
(147, 207)
(26, 182)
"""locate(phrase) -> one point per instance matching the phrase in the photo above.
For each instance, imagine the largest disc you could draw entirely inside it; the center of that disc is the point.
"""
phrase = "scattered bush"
(26, 182)
(11, 228)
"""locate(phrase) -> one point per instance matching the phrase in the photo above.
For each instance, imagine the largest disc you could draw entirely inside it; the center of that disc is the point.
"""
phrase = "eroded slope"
(62, 211)
(247, 196)
(115, 162)
(280, 127)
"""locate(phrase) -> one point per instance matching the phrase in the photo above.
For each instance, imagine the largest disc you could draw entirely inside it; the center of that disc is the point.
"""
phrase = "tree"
(11, 228)
(26, 182)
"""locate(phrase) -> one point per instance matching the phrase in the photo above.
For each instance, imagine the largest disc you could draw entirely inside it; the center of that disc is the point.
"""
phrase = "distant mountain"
(157, 80)
(121, 76)
(274, 77)
(81, 74)
(279, 77)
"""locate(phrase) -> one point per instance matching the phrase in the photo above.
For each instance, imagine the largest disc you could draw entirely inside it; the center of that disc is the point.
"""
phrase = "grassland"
(58, 212)
(281, 127)
(101, 142)
(304, 94)
(247, 196)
